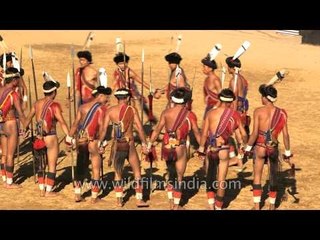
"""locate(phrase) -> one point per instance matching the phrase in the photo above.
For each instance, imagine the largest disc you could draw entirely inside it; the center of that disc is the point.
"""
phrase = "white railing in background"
(289, 32)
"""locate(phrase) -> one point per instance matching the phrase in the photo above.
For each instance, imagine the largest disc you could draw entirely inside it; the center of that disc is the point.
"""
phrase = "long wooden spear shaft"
(31, 128)
(20, 86)
(142, 82)
(124, 72)
(33, 72)
(73, 83)
(150, 97)
(70, 123)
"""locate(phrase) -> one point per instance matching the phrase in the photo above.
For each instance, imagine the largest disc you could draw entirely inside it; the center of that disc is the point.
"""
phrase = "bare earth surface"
(299, 94)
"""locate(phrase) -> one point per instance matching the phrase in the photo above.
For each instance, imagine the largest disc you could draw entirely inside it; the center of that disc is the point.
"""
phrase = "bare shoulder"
(56, 105)
(135, 110)
(111, 108)
(132, 72)
(259, 110)
(90, 69)
(212, 112)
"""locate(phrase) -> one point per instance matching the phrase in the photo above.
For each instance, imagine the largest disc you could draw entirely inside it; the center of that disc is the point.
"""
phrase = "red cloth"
(8, 103)
(93, 126)
(233, 123)
(39, 144)
(86, 91)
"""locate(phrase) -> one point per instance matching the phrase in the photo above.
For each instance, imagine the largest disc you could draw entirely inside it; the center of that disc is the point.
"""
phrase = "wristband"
(70, 139)
(201, 149)
(248, 148)
(287, 153)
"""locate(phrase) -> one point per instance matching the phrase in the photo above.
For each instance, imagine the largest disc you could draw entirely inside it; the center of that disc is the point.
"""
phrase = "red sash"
(4, 108)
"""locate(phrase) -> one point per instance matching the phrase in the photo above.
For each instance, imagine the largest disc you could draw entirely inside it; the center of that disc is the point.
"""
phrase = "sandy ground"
(269, 52)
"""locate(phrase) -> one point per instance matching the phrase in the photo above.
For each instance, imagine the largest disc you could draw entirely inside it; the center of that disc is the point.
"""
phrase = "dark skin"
(262, 117)
(10, 139)
(210, 124)
(112, 115)
(167, 120)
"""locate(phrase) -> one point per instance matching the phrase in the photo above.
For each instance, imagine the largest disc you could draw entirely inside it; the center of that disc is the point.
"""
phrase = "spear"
(150, 97)
(179, 40)
(20, 86)
(142, 81)
(31, 128)
(73, 82)
(177, 75)
(3, 44)
(69, 96)
(223, 75)
(88, 41)
(124, 72)
(33, 72)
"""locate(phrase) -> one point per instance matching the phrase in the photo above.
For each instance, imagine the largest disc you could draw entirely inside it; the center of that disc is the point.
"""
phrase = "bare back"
(264, 115)
(212, 83)
(213, 119)
(241, 84)
(170, 116)
(114, 114)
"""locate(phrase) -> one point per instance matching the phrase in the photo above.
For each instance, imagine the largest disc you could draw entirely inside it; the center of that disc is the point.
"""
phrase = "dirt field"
(269, 52)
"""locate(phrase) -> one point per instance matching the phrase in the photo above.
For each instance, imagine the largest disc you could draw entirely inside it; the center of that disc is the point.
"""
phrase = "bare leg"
(135, 164)
(257, 174)
(96, 164)
(4, 145)
(52, 157)
(222, 173)
(10, 128)
(181, 166)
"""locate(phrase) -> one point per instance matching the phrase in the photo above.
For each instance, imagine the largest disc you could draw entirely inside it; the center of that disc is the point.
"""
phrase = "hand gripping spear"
(69, 96)
(33, 72)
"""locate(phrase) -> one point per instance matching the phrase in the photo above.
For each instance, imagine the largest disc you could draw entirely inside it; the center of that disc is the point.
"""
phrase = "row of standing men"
(225, 114)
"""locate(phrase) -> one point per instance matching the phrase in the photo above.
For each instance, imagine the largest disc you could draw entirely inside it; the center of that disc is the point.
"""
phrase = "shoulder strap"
(122, 116)
(45, 108)
(275, 118)
(223, 123)
(5, 94)
(89, 115)
(180, 118)
(210, 93)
